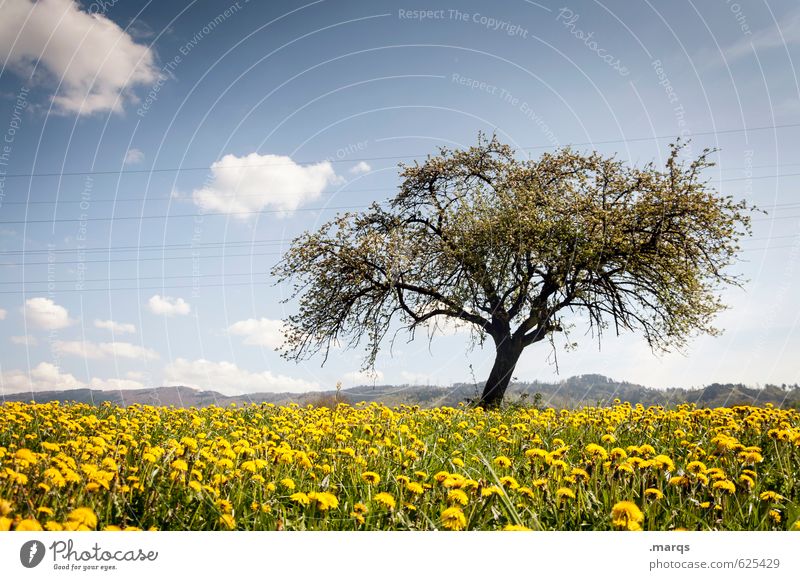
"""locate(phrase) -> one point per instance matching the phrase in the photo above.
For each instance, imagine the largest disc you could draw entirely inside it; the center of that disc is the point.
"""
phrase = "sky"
(156, 159)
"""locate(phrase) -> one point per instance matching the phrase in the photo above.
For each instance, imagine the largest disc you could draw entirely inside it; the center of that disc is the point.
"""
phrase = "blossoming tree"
(518, 250)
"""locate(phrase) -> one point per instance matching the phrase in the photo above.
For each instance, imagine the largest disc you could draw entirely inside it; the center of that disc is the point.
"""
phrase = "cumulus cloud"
(97, 64)
(94, 350)
(447, 326)
(114, 384)
(255, 182)
(134, 156)
(45, 313)
(44, 377)
(168, 306)
(48, 377)
(360, 167)
(228, 379)
(259, 331)
(115, 327)
(25, 339)
(355, 378)
(3, 313)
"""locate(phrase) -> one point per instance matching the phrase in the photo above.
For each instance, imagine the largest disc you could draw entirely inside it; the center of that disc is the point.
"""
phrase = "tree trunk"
(508, 353)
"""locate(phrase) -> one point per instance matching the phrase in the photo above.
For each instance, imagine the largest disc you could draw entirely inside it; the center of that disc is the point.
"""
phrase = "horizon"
(153, 173)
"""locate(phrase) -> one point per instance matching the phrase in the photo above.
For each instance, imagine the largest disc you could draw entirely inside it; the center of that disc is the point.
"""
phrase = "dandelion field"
(370, 467)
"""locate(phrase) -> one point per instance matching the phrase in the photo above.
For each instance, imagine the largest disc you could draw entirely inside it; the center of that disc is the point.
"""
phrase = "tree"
(511, 247)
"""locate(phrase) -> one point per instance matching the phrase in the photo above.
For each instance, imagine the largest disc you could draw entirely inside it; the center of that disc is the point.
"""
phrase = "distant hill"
(569, 393)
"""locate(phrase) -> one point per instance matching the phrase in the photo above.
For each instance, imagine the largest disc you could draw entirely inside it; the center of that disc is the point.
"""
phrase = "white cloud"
(227, 378)
(355, 378)
(360, 167)
(114, 384)
(44, 377)
(96, 62)
(45, 313)
(784, 34)
(26, 339)
(134, 156)
(115, 327)
(48, 377)
(94, 350)
(446, 326)
(259, 331)
(3, 313)
(135, 375)
(255, 182)
(168, 306)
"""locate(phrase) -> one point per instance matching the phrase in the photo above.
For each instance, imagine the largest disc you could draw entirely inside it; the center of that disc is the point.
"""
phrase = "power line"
(179, 215)
(273, 211)
(387, 157)
(159, 258)
(137, 288)
(220, 275)
(94, 200)
(151, 247)
(220, 244)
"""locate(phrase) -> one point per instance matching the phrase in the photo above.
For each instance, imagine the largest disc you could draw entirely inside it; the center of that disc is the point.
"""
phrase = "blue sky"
(157, 158)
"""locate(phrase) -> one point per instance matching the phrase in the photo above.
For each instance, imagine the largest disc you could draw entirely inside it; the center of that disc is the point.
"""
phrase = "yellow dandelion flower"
(83, 516)
(457, 496)
(516, 528)
(770, 496)
(415, 487)
(696, 467)
(324, 500)
(596, 451)
(453, 519)
(724, 485)
(502, 461)
(564, 493)
(300, 498)
(28, 525)
(626, 515)
(179, 465)
(509, 482)
(227, 521)
(385, 499)
(490, 491)
(371, 477)
(653, 493)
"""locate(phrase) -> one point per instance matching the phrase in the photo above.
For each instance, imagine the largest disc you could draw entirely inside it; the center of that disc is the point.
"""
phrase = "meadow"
(371, 467)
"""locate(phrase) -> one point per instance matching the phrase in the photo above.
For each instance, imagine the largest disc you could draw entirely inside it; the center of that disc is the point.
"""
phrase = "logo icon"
(31, 553)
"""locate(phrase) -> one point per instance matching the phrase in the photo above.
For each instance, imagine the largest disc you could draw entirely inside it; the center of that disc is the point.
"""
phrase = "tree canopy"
(514, 248)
